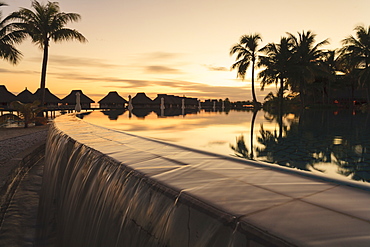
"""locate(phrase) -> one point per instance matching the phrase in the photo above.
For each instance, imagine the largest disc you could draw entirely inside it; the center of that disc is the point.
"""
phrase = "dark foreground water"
(333, 143)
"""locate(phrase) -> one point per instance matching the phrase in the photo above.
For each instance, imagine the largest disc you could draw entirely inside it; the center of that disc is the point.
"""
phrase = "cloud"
(161, 70)
(161, 55)
(19, 71)
(216, 68)
(70, 61)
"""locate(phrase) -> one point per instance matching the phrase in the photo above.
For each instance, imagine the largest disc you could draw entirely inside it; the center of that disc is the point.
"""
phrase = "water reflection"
(333, 143)
(315, 141)
(114, 114)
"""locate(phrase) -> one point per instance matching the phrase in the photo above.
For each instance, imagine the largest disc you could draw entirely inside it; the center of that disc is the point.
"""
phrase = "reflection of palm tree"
(241, 149)
(8, 37)
(246, 51)
(314, 140)
(351, 161)
(46, 23)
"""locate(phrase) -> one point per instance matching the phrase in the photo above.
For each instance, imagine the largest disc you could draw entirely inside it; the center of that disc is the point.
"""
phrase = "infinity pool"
(332, 143)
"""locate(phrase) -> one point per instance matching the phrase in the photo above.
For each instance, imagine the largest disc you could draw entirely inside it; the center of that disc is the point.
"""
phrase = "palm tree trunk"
(253, 91)
(43, 71)
(281, 99)
(255, 111)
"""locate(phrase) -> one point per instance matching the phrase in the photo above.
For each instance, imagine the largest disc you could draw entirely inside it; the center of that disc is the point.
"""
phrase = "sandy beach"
(19, 199)
(15, 143)
(6, 133)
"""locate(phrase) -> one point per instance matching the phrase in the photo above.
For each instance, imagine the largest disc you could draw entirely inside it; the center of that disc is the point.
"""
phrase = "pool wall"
(108, 188)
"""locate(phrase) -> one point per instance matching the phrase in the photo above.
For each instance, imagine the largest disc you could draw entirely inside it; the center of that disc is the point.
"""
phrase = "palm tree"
(359, 46)
(9, 37)
(28, 111)
(357, 51)
(246, 53)
(307, 62)
(277, 63)
(45, 23)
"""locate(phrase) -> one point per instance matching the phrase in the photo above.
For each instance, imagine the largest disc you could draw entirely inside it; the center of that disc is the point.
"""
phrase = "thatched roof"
(71, 98)
(49, 97)
(168, 99)
(112, 97)
(26, 96)
(5, 95)
(141, 99)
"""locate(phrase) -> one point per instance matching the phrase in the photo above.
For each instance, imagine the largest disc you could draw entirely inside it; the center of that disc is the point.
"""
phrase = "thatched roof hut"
(26, 96)
(142, 101)
(6, 97)
(112, 100)
(169, 100)
(50, 99)
(70, 100)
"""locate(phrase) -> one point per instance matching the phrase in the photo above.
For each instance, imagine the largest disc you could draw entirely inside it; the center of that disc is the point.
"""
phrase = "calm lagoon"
(327, 142)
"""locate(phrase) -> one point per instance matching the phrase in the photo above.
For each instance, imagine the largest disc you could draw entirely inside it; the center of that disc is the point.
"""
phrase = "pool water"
(332, 143)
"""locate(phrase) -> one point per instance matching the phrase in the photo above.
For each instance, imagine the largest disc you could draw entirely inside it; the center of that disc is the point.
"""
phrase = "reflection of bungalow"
(26, 96)
(112, 101)
(50, 101)
(114, 114)
(141, 112)
(141, 101)
(6, 97)
(70, 100)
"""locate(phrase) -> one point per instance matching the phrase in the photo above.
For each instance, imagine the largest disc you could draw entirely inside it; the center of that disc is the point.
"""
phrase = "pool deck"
(295, 208)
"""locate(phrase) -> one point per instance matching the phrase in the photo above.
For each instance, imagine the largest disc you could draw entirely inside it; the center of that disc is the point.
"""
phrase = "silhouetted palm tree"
(43, 24)
(357, 51)
(307, 61)
(277, 63)
(330, 65)
(9, 37)
(246, 53)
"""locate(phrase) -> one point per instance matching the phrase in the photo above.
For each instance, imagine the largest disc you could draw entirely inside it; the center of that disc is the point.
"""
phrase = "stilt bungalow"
(170, 101)
(69, 102)
(26, 96)
(6, 98)
(142, 101)
(51, 101)
(112, 101)
(191, 103)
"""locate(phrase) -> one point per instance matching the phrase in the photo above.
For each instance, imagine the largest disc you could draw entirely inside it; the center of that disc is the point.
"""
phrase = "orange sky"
(171, 46)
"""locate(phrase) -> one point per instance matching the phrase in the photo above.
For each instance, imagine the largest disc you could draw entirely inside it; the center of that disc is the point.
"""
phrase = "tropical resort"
(172, 170)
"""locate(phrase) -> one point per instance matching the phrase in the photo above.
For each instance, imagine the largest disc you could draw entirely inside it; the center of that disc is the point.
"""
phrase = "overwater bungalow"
(142, 101)
(191, 103)
(112, 101)
(6, 98)
(26, 96)
(69, 102)
(172, 101)
(51, 101)
(211, 103)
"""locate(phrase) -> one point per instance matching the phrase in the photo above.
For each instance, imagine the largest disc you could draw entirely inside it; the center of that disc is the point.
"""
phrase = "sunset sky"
(171, 46)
